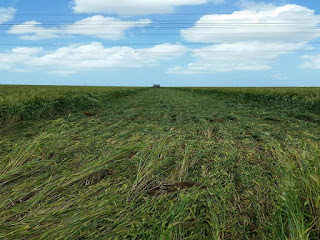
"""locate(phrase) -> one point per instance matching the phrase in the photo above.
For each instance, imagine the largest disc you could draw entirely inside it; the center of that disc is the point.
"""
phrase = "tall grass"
(163, 164)
(308, 96)
(19, 103)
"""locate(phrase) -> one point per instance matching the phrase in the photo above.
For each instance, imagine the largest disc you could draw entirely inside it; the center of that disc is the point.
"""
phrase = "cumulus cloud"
(98, 26)
(311, 61)
(31, 30)
(6, 14)
(93, 56)
(10, 60)
(250, 39)
(133, 7)
(259, 22)
(241, 56)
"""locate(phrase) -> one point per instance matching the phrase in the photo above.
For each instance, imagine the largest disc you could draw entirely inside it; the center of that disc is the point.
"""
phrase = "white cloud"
(6, 14)
(241, 56)
(9, 61)
(31, 30)
(311, 61)
(94, 56)
(134, 7)
(99, 26)
(259, 22)
(250, 39)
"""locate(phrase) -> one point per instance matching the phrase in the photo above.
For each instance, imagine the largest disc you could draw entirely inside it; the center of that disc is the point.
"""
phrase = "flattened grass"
(126, 172)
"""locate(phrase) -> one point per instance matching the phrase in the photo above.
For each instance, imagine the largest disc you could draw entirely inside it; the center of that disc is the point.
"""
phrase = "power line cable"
(143, 51)
(120, 44)
(135, 15)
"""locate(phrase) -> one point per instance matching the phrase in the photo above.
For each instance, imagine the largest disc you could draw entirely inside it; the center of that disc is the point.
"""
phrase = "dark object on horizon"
(156, 85)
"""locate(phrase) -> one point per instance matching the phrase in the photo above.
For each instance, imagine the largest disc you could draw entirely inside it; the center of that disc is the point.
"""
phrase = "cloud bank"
(241, 56)
(97, 26)
(250, 39)
(93, 56)
(288, 23)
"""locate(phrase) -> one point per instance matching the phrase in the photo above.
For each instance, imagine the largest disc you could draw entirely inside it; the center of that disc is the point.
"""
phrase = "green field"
(169, 163)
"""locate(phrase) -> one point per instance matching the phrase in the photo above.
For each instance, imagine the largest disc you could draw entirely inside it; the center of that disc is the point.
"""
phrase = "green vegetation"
(308, 97)
(162, 164)
(29, 102)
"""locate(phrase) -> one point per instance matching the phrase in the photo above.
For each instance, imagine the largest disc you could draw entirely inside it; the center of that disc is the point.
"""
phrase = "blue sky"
(170, 42)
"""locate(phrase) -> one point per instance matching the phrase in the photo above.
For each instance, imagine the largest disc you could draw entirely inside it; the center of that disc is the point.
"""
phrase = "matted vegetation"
(164, 164)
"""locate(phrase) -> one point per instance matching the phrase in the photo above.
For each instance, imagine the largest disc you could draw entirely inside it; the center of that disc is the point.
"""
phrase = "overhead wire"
(159, 26)
(234, 52)
(134, 15)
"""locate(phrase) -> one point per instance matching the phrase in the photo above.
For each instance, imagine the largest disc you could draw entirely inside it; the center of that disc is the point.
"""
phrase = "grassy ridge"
(164, 164)
(29, 102)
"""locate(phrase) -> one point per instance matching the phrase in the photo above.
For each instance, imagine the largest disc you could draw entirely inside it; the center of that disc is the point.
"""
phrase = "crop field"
(168, 163)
